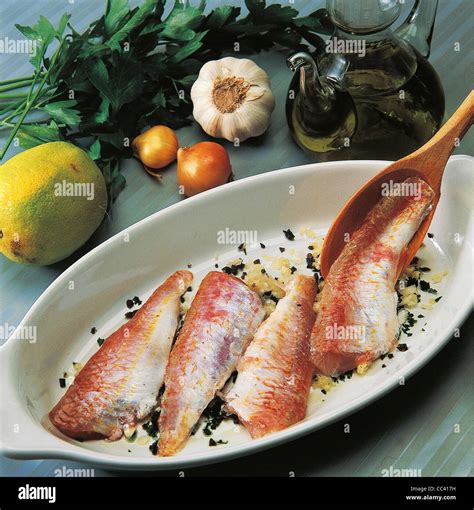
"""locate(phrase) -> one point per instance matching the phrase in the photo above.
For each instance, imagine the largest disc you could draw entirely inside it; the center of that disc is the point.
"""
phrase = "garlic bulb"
(232, 99)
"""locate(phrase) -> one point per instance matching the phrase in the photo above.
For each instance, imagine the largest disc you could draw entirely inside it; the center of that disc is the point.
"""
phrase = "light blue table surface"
(412, 427)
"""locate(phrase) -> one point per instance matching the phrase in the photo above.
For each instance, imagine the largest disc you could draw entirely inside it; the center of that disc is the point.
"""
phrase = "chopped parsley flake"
(243, 248)
(426, 287)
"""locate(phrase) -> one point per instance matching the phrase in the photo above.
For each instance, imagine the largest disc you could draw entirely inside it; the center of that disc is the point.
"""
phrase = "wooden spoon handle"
(435, 153)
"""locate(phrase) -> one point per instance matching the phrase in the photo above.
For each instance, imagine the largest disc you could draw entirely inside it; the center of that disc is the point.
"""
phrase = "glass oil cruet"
(369, 92)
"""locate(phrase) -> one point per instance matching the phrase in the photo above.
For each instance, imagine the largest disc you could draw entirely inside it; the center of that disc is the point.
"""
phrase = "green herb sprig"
(133, 68)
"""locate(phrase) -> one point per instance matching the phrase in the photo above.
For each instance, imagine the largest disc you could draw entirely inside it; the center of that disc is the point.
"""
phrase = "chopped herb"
(263, 271)
(389, 355)
(311, 247)
(293, 269)
(384, 366)
(207, 430)
(243, 248)
(214, 443)
(420, 316)
(430, 235)
(62, 382)
(414, 261)
(151, 426)
(214, 414)
(409, 322)
(425, 269)
(137, 300)
(281, 249)
(262, 246)
(93, 330)
(182, 299)
(289, 235)
(129, 303)
(324, 392)
(216, 266)
(425, 286)
(310, 261)
(154, 447)
(256, 261)
(234, 268)
(402, 347)
(129, 315)
(190, 266)
(345, 375)
(438, 298)
(100, 341)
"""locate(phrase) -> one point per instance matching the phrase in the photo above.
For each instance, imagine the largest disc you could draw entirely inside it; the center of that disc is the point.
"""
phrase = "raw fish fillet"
(119, 384)
(219, 325)
(357, 321)
(275, 373)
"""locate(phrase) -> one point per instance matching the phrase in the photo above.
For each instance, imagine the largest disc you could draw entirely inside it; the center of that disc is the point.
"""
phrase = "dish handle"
(21, 434)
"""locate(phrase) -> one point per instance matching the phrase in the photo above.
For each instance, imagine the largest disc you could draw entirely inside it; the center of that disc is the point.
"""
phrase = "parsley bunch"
(133, 68)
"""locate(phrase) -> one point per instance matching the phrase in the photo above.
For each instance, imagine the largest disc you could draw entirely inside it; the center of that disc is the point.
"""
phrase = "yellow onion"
(203, 166)
(156, 147)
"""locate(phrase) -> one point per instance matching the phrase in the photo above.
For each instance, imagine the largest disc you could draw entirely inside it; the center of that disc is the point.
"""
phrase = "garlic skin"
(232, 99)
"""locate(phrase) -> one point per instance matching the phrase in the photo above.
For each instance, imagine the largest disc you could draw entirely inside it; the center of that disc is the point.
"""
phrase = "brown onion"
(156, 147)
(203, 166)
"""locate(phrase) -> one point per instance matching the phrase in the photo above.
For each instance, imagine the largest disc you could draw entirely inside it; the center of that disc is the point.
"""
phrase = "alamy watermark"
(401, 189)
(346, 332)
(74, 189)
(65, 472)
(232, 237)
(336, 45)
(22, 332)
(400, 473)
(18, 46)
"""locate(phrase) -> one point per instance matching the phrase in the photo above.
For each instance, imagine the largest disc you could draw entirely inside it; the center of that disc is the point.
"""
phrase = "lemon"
(52, 199)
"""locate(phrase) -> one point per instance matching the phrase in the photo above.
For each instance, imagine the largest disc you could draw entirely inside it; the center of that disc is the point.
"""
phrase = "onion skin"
(156, 147)
(203, 166)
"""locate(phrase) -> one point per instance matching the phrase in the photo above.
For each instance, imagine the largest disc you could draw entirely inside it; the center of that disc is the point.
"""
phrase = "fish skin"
(359, 293)
(272, 387)
(119, 384)
(218, 327)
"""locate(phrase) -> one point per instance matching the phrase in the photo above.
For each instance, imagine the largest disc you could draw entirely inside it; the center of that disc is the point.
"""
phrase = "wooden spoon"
(428, 163)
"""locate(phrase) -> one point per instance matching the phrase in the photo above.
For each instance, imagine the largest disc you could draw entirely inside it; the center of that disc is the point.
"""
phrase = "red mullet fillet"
(219, 325)
(119, 384)
(357, 321)
(272, 388)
